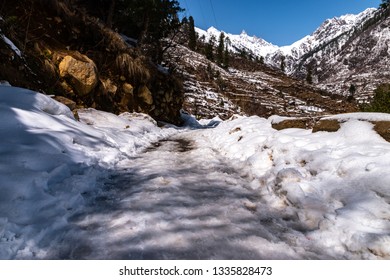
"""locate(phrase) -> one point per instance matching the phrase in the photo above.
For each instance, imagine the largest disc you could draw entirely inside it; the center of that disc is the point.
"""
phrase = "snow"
(373, 117)
(119, 187)
(11, 44)
(256, 45)
(48, 160)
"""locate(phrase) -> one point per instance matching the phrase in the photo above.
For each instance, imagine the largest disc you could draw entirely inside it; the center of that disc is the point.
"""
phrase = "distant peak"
(212, 29)
(243, 32)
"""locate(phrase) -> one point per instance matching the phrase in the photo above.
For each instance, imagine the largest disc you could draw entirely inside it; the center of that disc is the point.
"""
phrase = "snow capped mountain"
(324, 51)
(328, 31)
(251, 44)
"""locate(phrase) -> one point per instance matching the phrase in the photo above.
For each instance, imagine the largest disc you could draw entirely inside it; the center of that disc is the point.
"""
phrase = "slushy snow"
(120, 187)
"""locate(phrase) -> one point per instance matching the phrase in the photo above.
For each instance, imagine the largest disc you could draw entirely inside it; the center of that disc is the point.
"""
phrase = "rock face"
(69, 103)
(81, 73)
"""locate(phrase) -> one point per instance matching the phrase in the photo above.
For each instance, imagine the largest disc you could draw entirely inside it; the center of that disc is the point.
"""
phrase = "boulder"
(128, 88)
(331, 125)
(145, 95)
(291, 123)
(127, 96)
(81, 73)
(69, 103)
(109, 86)
(383, 129)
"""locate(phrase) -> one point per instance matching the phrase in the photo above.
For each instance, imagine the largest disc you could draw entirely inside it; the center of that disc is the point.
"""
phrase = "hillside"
(58, 48)
(249, 87)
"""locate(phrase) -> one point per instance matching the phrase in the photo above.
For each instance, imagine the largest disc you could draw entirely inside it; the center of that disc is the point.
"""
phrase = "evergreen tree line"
(219, 54)
(148, 21)
(215, 51)
(385, 4)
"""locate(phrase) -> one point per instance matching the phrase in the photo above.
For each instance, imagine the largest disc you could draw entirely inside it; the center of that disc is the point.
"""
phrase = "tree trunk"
(111, 14)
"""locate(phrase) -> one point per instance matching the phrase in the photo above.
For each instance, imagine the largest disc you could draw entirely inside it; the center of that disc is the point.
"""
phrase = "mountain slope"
(248, 87)
(362, 61)
(343, 51)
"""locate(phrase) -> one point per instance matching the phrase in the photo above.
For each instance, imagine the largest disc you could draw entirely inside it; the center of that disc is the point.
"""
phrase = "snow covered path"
(181, 199)
(177, 200)
(119, 187)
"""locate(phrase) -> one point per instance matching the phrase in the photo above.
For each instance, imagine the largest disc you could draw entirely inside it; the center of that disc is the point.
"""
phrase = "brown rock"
(109, 86)
(50, 68)
(291, 123)
(383, 129)
(81, 73)
(326, 125)
(145, 95)
(128, 88)
(69, 103)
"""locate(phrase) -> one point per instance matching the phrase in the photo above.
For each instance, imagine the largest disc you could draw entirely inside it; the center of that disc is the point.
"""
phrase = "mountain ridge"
(261, 47)
(323, 50)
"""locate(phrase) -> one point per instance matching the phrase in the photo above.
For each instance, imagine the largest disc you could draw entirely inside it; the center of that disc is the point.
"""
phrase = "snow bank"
(334, 188)
(372, 117)
(48, 160)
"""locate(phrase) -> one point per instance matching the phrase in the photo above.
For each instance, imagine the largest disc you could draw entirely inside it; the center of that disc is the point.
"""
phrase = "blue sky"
(280, 22)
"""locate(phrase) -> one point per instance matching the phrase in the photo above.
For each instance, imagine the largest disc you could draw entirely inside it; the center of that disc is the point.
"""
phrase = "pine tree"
(261, 59)
(384, 4)
(191, 34)
(352, 89)
(243, 53)
(309, 75)
(220, 49)
(209, 50)
(283, 63)
(149, 21)
(226, 58)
